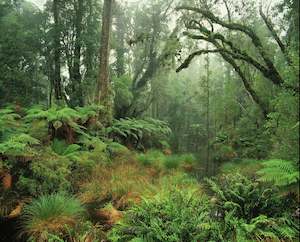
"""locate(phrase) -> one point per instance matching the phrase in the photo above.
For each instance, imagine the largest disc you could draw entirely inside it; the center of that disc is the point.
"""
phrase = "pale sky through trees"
(40, 3)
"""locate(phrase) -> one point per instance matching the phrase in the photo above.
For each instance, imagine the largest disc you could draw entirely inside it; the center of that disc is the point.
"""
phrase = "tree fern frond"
(279, 172)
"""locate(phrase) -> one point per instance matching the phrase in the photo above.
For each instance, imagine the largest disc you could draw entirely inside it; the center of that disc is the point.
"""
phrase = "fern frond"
(280, 172)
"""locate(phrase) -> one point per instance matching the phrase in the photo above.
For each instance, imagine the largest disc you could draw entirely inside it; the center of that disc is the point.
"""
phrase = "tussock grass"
(51, 214)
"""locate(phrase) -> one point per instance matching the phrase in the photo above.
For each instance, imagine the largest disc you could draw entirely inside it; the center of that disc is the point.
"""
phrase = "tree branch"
(270, 27)
(189, 59)
(274, 75)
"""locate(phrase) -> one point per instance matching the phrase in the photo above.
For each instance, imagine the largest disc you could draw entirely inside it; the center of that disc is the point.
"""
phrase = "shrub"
(18, 145)
(261, 228)
(174, 215)
(224, 152)
(247, 198)
(48, 172)
(51, 214)
(172, 162)
(83, 232)
(151, 158)
(247, 211)
(117, 150)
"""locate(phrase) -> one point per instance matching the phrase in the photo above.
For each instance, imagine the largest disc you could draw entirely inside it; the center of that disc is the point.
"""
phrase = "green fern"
(144, 132)
(57, 117)
(19, 145)
(9, 122)
(280, 172)
(88, 112)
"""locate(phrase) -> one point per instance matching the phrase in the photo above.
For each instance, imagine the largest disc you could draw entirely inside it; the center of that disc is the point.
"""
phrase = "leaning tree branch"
(235, 52)
(270, 27)
(246, 83)
(227, 56)
(189, 59)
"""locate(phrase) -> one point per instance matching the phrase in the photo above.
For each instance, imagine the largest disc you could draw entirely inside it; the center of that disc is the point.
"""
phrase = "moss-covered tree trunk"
(104, 95)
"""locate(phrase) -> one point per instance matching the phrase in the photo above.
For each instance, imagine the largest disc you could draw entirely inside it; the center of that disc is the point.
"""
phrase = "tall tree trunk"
(77, 96)
(207, 66)
(103, 95)
(120, 25)
(57, 53)
(89, 47)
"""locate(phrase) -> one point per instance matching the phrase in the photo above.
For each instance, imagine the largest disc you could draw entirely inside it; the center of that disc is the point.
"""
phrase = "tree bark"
(103, 95)
(57, 53)
(77, 94)
(273, 74)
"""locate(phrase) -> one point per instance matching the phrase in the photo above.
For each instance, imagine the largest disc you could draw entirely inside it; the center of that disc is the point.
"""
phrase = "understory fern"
(18, 145)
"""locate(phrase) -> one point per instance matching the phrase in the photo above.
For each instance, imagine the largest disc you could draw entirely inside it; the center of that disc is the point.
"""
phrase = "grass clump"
(151, 158)
(172, 162)
(118, 182)
(51, 214)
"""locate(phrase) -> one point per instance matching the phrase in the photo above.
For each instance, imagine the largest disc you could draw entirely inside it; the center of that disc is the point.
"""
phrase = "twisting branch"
(233, 52)
(230, 58)
(270, 27)
(188, 60)
(247, 85)
(274, 74)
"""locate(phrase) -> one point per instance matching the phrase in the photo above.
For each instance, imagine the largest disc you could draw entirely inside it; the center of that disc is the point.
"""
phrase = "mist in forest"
(141, 121)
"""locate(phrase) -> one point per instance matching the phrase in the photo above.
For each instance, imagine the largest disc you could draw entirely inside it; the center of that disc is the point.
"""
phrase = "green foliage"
(51, 214)
(8, 122)
(81, 232)
(172, 162)
(57, 117)
(151, 158)
(141, 133)
(48, 172)
(247, 211)
(157, 159)
(124, 96)
(18, 145)
(117, 150)
(247, 199)
(85, 231)
(245, 167)
(171, 216)
(280, 172)
(260, 228)
(21, 72)
(87, 112)
(283, 126)
(60, 147)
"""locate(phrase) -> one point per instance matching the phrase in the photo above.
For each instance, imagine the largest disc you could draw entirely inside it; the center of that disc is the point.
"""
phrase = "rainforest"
(149, 121)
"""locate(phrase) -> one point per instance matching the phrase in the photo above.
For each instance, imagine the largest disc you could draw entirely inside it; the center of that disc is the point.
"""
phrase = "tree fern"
(279, 172)
(8, 122)
(139, 130)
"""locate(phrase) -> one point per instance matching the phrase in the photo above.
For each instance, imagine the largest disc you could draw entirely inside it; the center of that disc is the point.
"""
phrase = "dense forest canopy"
(151, 120)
